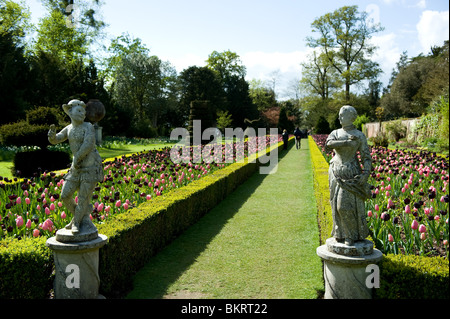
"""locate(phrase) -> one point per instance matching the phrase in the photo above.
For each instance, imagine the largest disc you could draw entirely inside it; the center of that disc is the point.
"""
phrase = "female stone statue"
(347, 180)
(86, 169)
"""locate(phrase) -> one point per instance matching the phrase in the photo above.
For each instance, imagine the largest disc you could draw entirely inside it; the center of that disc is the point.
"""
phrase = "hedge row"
(401, 277)
(133, 238)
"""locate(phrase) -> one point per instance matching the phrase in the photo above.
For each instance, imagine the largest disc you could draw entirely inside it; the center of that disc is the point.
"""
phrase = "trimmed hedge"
(321, 191)
(133, 237)
(26, 267)
(401, 276)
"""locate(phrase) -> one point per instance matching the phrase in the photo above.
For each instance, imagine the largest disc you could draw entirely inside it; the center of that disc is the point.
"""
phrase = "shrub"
(25, 268)
(413, 277)
(396, 130)
(25, 164)
(23, 134)
(380, 140)
(42, 116)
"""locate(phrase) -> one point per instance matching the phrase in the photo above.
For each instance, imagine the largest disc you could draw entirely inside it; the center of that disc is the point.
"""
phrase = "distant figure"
(285, 136)
(347, 180)
(298, 137)
(86, 169)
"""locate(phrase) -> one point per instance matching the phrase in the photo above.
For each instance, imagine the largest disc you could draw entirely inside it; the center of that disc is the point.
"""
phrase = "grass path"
(260, 242)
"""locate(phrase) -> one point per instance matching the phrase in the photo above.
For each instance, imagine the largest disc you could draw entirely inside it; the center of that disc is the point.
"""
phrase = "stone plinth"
(76, 268)
(345, 268)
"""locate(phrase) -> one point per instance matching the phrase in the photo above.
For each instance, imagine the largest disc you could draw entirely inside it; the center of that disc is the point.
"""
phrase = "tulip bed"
(408, 211)
(32, 207)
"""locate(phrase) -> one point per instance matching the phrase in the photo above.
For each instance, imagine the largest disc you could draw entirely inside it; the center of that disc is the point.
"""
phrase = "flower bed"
(133, 236)
(32, 207)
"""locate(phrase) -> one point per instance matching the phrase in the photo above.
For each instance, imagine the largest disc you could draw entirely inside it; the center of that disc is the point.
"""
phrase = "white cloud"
(387, 54)
(433, 29)
(183, 62)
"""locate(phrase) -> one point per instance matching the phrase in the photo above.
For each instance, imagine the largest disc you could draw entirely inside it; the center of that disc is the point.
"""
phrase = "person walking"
(298, 137)
(285, 136)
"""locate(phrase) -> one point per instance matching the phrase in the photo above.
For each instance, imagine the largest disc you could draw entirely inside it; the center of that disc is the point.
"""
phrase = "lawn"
(260, 242)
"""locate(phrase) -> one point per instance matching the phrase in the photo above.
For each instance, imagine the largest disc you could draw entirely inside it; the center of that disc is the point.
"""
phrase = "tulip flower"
(63, 215)
(27, 201)
(28, 224)
(36, 233)
(369, 213)
(19, 221)
(414, 224)
(422, 228)
(118, 203)
(407, 209)
(390, 238)
(423, 236)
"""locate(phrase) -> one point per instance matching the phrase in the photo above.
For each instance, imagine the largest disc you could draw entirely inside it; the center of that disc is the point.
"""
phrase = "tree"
(15, 20)
(262, 96)
(200, 84)
(319, 76)
(224, 120)
(15, 78)
(343, 36)
(227, 64)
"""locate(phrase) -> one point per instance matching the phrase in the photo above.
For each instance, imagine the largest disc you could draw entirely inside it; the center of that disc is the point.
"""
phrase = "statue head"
(76, 109)
(347, 115)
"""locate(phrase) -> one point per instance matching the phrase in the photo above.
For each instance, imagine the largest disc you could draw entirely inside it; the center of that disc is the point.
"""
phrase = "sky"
(268, 35)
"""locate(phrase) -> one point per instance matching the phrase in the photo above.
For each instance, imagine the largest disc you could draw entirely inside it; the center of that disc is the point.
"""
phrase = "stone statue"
(86, 170)
(347, 180)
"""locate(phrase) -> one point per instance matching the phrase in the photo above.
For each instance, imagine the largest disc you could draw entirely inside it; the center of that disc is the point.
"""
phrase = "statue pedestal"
(76, 267)
(345, 268)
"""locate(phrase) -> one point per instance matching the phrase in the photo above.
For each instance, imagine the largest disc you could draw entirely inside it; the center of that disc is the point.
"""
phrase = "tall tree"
(319, 76)
(344, 37)
(227, 64)
(15, 20)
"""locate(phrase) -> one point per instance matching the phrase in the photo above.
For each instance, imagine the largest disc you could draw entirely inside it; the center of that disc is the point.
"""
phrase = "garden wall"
(373, 129)
(26, 266)
(401, 277)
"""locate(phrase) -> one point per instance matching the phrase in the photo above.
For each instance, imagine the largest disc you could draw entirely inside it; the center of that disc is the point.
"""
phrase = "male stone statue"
(86, 169)
(347, 181)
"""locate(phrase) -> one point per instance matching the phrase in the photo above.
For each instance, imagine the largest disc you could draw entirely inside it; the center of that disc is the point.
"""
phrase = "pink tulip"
(125, 206)
(100, 207)
(422, 228)
(60, 204)
(414, 224)
(407, 209)
(28, 224)
(445, 242)
(377, 208)
(390, 238)
(27, 201)
(52, 207)
(118, 203)
(149, 197)
(47, 211)
(390, 203)
(36, 233)
(19, 221)
(63, 215)
(423, 236)
(369, 213)
(436, 218)
(18, 200)
(108, 209)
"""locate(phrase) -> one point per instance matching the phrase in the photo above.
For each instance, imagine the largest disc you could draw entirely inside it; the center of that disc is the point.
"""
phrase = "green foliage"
(224, 120)
(25, 164)
(321, 190)
(322, 126)
(24, 134)
(413, 277)
(360, 121)
(42, 116)
(25, 268)
(396, 130)
(380, 140)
